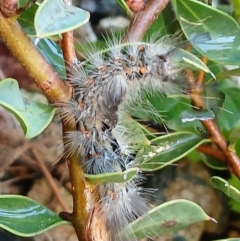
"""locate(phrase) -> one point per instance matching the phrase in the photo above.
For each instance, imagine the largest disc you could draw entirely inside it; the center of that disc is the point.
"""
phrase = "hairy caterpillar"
(106, 86)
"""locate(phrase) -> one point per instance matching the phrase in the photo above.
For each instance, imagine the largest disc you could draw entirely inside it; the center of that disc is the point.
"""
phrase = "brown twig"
(68, 48)
(210, 125)
(79, 190)
(19, 178)
(144, 19)
(210, 2)
(49, 178)
(135, 5)
(9, 8)
(37, 67)
(211, 151)
(79, 216)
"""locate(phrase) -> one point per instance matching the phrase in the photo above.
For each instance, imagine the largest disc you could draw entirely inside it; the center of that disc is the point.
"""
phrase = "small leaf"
(234, 135)
(181, 55)
(125, 7)
(113, 177)
(167, 149)
(168, 217)
(34, 117)
(225, 187)
(213, 162)
(24, 217)
(197, 18)
(55, 17)
(235, 205)
(22, 3)
(125, 128)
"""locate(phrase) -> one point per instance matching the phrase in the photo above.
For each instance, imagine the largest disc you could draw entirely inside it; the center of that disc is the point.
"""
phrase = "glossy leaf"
(234, 204)
(196, 19)
(22, 3)
(24, 217)
(125, 7)
(26, 20)
(237, 147)
(167, 149)
(213, 162)
(181, 55)
(113, 177)
(52, 52)
(225, 187)
(168, 217)
(34, 117)
(229, 116)
(55, 17)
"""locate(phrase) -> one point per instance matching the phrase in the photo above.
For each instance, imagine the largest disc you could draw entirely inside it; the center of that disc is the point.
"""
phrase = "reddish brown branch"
(210, 125)
(211, 151)
(9, 8)
(135, 5)
(68, 48)
(144, 19)
(79, 217)
(79, 190)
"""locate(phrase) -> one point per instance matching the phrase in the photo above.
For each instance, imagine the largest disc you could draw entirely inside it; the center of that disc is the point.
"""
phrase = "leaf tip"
(212, 219)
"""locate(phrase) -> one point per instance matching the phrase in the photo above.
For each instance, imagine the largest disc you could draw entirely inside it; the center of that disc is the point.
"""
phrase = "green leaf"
(213, 162)
(24, 217)
(26, 20)
(34, 117)
(56, 17)
(52, 52)
(168, 217)
(23, 3)
(235, 205)
(197, 18)
(148, 134)
(125, 128)
(125, 7)
(229, 116)
(225, 187)
(113, 177)
(237, 147)
(234, 139)
(167, 149)
(181, 55)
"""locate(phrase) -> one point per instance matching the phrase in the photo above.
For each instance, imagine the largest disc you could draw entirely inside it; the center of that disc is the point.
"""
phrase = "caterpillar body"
(106, 86)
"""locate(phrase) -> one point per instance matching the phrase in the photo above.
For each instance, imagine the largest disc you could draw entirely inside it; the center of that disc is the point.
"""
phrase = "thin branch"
(68, 48)
(79, 217)
(49, 178)
(37, 67)
(144, 19)
(79, 190)
(210, 125)
(211, 151)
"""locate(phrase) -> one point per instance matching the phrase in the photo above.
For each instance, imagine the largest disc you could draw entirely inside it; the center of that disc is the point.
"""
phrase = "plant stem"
(79, 191)
(210, 125)
(144, 19)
